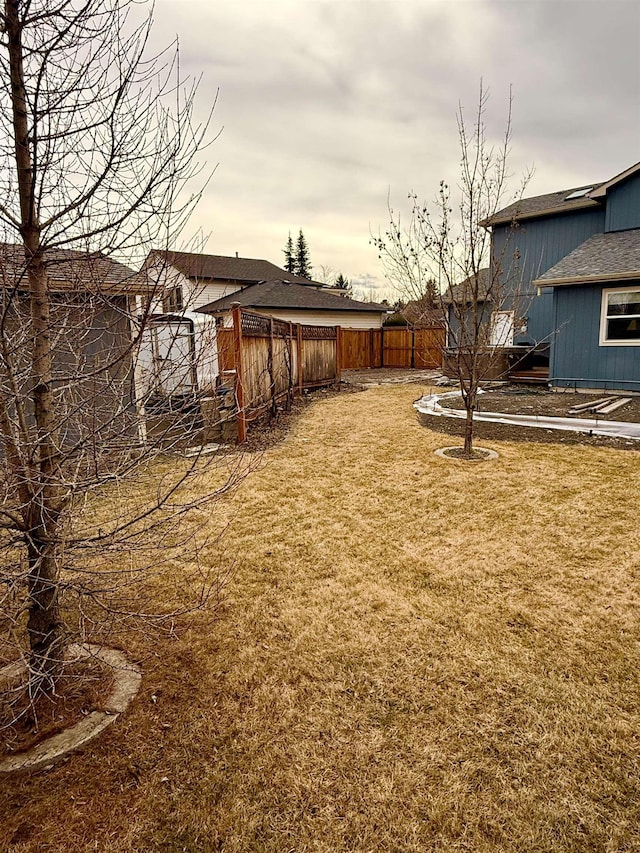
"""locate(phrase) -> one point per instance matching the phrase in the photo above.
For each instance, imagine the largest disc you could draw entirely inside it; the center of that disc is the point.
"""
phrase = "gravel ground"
(388, 376)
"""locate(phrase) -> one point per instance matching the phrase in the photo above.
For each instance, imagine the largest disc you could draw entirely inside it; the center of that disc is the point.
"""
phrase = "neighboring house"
(190, 280)
(299, 303)
(573, 257)
(185, 282)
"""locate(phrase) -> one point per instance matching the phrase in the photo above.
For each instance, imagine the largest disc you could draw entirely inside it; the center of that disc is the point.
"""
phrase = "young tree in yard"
(443, 257)
(289, 259)
(99, 145)
(302, 262)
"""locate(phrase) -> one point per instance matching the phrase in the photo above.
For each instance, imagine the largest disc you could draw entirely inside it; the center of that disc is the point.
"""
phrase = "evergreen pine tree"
(289, 260)
(342, 283)
(302, 263)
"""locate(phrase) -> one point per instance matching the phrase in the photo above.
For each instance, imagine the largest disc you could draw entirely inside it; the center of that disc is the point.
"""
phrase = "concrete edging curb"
(487, 454)
(127, 681)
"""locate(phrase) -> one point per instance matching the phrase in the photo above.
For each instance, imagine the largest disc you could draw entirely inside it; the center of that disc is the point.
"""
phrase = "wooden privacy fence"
(274, 360)
(392, 347)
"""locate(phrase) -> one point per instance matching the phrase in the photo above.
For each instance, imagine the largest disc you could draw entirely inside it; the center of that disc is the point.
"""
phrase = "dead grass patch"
(411, 655)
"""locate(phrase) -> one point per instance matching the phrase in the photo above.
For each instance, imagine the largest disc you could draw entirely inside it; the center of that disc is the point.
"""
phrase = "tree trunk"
(42, 515)
(468, 433)
(45, 628)
(470, 397)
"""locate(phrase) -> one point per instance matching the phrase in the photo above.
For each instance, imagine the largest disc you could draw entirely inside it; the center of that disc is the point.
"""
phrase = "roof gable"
(467, 290)
(601, 190)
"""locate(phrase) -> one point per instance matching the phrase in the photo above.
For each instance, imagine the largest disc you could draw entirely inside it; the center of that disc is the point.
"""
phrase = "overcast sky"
(328, 106)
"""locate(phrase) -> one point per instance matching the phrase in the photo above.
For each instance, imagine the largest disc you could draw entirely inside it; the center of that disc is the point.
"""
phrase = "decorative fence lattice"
(319, 333)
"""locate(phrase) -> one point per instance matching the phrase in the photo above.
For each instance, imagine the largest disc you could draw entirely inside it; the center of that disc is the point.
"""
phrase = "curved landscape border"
(485, 454)
(430, 405)
(127, 678)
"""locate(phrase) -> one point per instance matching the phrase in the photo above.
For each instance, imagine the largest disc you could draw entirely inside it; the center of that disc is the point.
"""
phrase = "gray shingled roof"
(90, 272)
(286, 294)
(552, 203)
(542, 205)
(607, 257)
(201, 267)
(464, 290)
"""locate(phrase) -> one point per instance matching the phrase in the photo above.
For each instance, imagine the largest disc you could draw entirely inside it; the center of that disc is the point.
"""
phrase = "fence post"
(300, 368)
(381, 346)
(272, 379)
(413, 347)
(290, 368)
(237, 351)
(338, 354)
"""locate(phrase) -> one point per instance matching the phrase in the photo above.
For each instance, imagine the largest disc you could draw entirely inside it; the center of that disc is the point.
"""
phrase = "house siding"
(623, 205)
(578, 360)
(202, 294)
(530, 249)
(195, 294)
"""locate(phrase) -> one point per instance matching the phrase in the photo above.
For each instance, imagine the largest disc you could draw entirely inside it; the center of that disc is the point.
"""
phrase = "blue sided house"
(574, 258)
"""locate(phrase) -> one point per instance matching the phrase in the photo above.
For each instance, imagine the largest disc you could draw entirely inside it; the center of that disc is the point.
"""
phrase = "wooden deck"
(534, 376)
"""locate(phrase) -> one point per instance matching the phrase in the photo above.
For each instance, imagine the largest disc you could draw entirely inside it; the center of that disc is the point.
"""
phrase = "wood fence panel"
(360, 348)
(413, 348)
(320, 360)
(429, 346)
(255, 370)
(376, 347)
(318, 363)
(284, 365)
(397, 347)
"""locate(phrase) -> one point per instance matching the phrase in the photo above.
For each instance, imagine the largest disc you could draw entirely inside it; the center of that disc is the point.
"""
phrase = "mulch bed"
(522, 400)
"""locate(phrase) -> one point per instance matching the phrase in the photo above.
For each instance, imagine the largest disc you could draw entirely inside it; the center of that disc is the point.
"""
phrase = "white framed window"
(502, 323)
(620, 317)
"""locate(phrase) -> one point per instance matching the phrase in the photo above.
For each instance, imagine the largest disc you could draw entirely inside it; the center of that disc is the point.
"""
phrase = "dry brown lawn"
(414, 654)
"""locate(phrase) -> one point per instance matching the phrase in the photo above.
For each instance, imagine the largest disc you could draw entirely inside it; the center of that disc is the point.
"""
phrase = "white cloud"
(328, 106)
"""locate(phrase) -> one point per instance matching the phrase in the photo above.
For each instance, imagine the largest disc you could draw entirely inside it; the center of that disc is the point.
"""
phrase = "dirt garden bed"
(514, 399)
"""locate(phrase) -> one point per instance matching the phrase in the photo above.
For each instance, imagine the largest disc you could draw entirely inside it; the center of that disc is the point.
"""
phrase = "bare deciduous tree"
(99, 150)
(442, 257)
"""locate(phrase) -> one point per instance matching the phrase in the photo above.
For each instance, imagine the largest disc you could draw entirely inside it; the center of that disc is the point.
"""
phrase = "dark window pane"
(623, 329)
